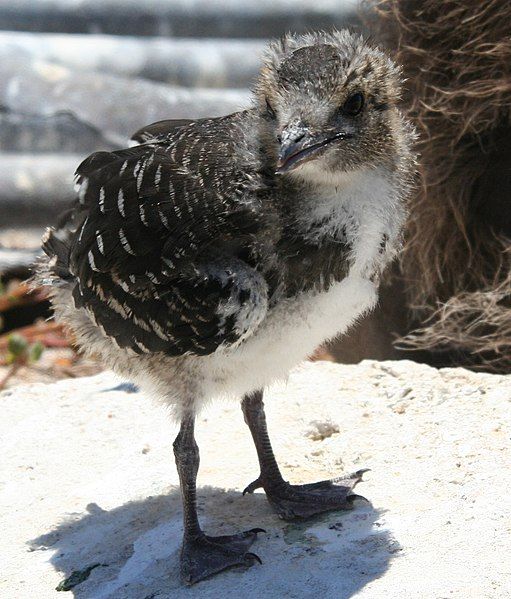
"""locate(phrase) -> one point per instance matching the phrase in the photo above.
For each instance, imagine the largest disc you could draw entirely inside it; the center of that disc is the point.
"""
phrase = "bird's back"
(151, 247)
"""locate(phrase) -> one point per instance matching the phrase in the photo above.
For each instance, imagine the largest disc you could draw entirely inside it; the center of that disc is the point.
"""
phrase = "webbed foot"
(303, 501)
(204, 556)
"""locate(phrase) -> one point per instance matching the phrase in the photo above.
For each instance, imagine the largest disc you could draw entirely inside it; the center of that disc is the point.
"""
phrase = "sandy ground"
(87, 478)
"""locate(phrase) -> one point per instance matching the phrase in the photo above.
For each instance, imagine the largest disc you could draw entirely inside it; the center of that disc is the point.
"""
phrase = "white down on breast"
(366, 205)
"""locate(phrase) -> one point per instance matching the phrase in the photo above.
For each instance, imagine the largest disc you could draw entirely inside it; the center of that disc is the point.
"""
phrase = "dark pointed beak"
(298, 145)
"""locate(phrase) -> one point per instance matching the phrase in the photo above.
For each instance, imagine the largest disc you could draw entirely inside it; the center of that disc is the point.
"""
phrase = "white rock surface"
(88, 478)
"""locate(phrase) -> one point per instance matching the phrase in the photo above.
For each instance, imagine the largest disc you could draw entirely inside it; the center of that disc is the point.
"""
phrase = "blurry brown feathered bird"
(215, 255)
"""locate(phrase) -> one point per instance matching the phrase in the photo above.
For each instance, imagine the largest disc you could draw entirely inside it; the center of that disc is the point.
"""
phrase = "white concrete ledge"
(88, 478)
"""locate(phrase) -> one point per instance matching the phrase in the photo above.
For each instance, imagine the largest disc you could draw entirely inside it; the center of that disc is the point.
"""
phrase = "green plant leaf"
(35, 351)
(76, 577)
(17, 345)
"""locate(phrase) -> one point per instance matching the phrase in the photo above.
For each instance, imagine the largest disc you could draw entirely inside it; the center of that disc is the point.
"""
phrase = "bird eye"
(354, 104)
(269, 110)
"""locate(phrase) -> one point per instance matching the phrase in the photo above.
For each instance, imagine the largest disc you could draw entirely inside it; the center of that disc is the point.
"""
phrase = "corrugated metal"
(115, 65)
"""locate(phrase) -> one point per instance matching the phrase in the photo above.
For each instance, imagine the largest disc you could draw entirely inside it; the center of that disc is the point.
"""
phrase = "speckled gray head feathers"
(327, 85)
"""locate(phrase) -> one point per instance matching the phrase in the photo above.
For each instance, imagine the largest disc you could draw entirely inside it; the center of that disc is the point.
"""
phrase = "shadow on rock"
(132, 551)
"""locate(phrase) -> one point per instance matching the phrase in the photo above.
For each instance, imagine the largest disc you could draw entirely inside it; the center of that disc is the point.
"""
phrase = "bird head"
(327, 102)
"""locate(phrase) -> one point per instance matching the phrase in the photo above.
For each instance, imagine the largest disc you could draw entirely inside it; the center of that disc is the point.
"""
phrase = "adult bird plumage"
(216, 254)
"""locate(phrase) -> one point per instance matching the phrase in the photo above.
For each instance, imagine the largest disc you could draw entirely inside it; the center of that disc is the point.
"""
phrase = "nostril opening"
(300, 137)
(279, 138)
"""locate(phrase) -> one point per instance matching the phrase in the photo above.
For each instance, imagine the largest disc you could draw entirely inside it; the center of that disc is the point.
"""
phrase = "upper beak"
(299, 145)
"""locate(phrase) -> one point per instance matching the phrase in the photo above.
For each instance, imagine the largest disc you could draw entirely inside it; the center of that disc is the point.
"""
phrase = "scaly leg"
(202, 555)
(292, 501)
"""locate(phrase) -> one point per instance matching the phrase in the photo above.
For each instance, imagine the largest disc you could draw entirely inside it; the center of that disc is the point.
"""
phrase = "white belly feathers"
(365, 206)
(290, 333)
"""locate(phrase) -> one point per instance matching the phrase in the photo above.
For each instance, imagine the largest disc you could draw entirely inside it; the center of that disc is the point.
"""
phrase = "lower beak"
(299, 146)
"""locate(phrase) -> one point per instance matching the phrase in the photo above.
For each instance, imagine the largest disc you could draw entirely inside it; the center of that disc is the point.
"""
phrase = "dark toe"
(256, 484)
(239, 542)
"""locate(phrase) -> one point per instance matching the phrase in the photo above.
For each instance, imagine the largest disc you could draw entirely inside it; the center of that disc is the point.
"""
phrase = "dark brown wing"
(151, 258)
(159, 130)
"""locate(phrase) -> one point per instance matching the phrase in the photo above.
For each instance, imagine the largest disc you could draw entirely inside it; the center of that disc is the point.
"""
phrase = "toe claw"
(256, 484)
(352, 497)
(361, 472)
(253, 556)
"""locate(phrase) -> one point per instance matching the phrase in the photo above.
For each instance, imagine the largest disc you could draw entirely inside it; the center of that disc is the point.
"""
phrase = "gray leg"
(201, 555)
(292, 501)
